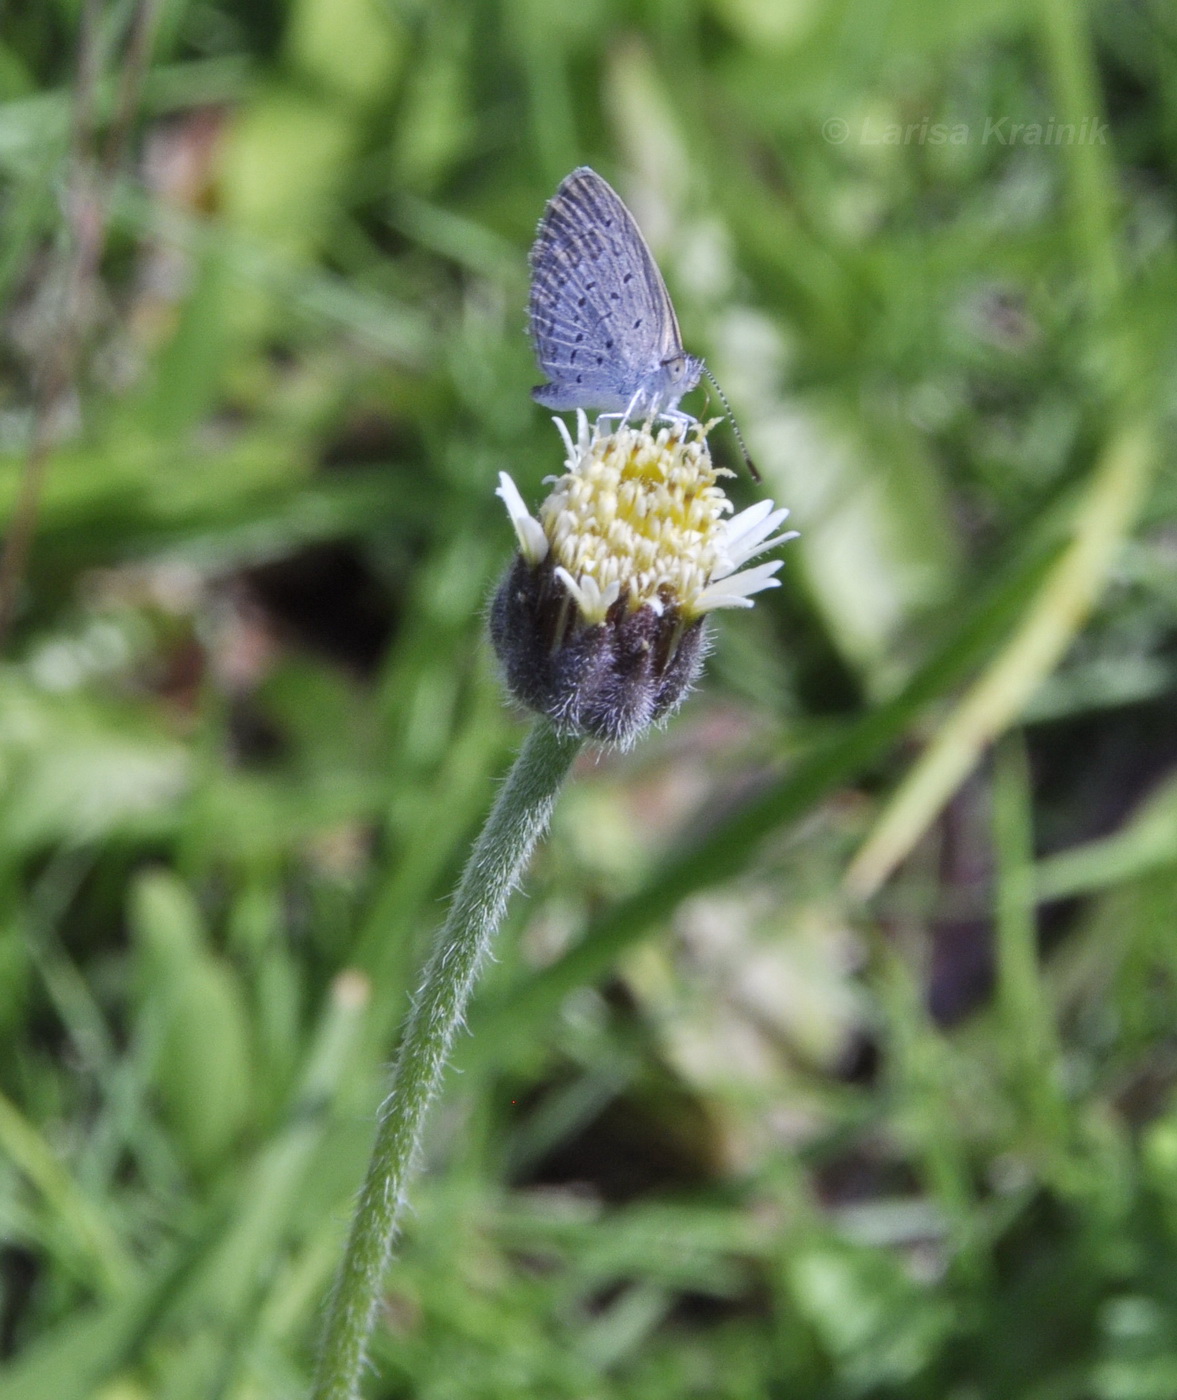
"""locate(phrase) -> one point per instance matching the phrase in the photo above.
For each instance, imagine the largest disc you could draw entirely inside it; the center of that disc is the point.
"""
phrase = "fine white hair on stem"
(517, 820)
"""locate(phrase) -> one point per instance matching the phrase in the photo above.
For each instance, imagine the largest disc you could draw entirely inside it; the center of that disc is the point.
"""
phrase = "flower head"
(599, 623)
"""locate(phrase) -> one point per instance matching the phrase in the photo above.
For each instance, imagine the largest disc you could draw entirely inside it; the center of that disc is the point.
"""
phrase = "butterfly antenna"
(748, 462)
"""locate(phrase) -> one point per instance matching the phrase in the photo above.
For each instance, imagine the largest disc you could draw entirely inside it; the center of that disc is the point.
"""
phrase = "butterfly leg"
(634, 405)
(626, 414)
(677, 417)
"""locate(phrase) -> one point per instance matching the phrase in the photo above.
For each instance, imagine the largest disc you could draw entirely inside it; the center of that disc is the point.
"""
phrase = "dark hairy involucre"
(608, 680)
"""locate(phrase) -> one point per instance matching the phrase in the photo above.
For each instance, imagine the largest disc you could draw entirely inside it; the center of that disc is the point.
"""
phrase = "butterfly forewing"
(600, 316)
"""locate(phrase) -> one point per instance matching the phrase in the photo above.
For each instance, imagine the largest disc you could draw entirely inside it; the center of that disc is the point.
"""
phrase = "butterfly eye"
(677, 366)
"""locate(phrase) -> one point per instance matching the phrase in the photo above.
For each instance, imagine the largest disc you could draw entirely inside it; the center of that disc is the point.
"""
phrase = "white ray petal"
(747, 533)
(746, 521)
(735, 591)
(533, 543)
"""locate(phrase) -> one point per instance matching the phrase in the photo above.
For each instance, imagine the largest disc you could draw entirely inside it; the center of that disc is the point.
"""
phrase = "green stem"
(518, 819)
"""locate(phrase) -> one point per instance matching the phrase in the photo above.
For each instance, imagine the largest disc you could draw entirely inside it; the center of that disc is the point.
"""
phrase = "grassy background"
(770, 1092)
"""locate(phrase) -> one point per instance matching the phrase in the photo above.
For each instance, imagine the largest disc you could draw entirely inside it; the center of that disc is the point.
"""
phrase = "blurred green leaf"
(195, 1015)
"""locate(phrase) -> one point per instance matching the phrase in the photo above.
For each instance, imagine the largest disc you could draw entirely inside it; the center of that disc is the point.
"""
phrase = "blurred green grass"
(725, 1126)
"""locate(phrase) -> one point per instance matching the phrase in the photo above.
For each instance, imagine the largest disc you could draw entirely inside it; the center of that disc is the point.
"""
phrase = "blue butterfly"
(600, 317)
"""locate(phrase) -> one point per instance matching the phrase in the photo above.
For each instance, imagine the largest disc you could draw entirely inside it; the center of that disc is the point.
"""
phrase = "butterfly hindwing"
(600, 316)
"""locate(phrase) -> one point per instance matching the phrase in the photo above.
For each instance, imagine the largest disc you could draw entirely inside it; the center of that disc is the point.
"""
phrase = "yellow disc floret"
(640, 516)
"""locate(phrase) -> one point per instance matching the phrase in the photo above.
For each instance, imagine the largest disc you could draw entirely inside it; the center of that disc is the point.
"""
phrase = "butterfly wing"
(600, 317)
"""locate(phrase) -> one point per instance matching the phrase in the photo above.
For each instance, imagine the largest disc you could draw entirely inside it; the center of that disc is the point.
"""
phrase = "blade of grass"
(1090, 175)
(89, 1241)
(269, 1192)
(921, 1064)
(1024, 1007)
(242, 1272)
(1148, 842)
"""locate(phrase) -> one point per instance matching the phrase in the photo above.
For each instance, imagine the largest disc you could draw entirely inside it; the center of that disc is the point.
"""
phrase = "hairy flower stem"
(518, 819)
